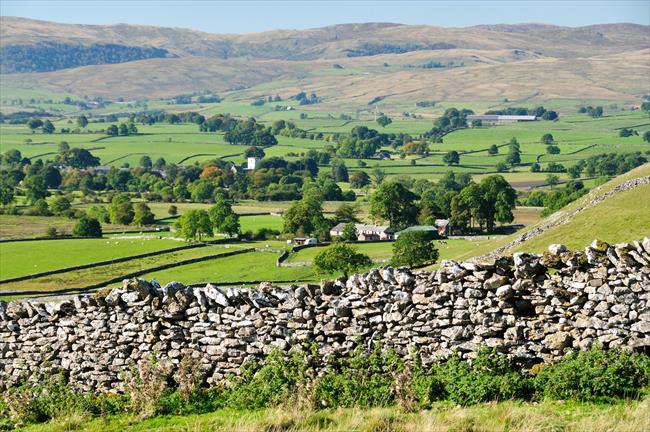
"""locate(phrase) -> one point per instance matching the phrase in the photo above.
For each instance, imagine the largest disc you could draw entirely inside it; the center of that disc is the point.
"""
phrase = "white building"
(252, 163)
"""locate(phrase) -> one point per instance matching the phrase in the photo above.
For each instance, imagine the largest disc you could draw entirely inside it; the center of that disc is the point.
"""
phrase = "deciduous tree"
(340, 258)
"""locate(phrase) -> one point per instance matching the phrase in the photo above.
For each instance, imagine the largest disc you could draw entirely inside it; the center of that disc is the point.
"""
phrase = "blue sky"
(254, 16)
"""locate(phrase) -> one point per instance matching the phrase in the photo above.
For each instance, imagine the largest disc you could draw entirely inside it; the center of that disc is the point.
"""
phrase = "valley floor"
(624, 416)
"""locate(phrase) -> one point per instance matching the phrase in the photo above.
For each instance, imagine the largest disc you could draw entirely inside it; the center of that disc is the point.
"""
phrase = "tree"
(359, 180)
(346, 213)
(202, 191)
(60, 205)
(384, 121)
(160, 163)
(82, 121)
(12, 157)
(349, 232)
(254, 152)
(123, 129)
(340, 258)
(120, 210)
(63, 146)
(35, 188)
(223, 218)
(230, 225)
(575, 171)
(493, 150)
(646, 136)
(52, 177)
(501, 166)
(552, 180)
(378, 175)
(627, 132)
(6, 192)
(77, 158)
(98, 212)
(143, 215)
(112, 130)
(87, 227)
(48, 127)
(340, 171)
(305, 217)
(394, 203)
(414, 248)
(172, 210)
(145, 162)
(514, 157)
(41, 208)
(547, 138)
(535, 167)
(34, 124)
(498, 201)
(553, 149)
(194, 224)
(451, 158)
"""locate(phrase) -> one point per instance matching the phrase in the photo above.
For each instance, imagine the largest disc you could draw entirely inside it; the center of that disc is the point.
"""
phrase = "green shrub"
(489, 378)
(594, 375)
(268, 385)
(363, 380)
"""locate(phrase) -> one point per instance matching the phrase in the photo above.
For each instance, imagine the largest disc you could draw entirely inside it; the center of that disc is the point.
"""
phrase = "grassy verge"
(504, 416)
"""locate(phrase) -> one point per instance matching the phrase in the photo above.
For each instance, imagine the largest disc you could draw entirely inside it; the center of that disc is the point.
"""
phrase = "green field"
(448, 249)
(24, 258)
(578, 137)
(14, 226)
(255, 266)
(96, 275)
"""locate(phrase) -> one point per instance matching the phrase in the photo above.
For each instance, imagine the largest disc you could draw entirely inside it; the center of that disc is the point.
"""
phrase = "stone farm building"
(366, 232)
(493, 118)
(440, 226)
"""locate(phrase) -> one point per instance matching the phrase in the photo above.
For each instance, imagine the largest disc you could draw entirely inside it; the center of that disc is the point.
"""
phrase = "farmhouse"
(502, 118)
(366, 232)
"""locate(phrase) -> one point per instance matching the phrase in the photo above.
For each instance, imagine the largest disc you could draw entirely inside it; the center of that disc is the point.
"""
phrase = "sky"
(256, 16)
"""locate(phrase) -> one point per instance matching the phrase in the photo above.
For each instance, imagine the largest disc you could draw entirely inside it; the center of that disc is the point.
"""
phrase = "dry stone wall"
(515, 304)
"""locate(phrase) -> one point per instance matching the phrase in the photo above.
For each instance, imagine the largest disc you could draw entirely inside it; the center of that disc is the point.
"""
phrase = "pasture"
(25, 258)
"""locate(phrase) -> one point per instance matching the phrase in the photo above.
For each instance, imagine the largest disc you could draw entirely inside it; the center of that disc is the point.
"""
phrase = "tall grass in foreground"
(593, 390)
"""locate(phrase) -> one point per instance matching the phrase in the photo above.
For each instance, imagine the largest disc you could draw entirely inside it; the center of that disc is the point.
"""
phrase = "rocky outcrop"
(514, 303)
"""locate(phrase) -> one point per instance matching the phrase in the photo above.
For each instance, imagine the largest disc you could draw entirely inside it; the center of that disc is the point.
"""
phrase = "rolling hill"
(616, 212)
(347, 65)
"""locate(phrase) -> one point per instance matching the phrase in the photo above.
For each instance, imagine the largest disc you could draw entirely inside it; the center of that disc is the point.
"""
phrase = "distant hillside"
(474, 63)
(48, 56)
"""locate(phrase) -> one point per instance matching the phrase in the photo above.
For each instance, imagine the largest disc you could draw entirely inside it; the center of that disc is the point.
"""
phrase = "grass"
(95, 275)
(24, 258)
(625, 416)
(254, 266)
(255, 223)
(19, 226)
(621, 218)
(448, 249)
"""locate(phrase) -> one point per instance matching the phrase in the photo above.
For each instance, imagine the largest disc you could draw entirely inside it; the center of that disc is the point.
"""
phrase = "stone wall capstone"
(513, 303)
